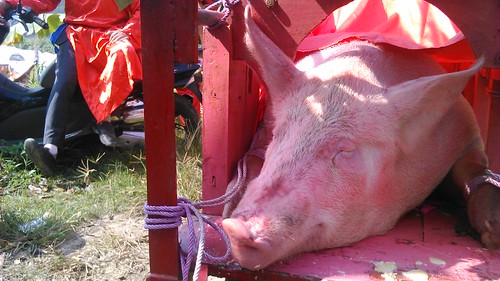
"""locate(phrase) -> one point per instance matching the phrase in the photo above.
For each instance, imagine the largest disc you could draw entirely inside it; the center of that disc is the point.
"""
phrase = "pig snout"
(247, 247)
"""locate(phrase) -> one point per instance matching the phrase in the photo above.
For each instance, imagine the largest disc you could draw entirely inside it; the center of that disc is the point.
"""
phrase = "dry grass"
(110, 248)
(96, 218)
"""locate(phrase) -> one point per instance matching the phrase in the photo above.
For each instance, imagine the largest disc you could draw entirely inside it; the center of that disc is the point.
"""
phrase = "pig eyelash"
(345, 153)
(342, 159)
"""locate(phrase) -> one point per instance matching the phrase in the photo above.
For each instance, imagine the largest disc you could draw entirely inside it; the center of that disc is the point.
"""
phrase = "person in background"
(98, 49)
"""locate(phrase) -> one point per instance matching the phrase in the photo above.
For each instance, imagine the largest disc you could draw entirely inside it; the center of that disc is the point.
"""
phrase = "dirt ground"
(117, 245)
(113, 248)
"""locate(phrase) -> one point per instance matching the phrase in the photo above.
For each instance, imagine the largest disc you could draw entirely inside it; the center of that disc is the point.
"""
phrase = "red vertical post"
(186, 31)
(481, 103)
(229, 113)
(493, 140)
(157, 24)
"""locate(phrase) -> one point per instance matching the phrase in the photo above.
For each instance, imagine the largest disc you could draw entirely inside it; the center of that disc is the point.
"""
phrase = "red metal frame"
(231, 91)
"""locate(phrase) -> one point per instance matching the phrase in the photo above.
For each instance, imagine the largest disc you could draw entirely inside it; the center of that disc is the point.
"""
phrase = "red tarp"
(407, 24)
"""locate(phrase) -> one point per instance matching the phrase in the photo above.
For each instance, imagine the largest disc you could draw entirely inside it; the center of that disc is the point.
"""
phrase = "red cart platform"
(422, 246)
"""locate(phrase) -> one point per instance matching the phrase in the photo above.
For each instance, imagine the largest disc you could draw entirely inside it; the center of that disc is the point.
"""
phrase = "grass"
(37, 214)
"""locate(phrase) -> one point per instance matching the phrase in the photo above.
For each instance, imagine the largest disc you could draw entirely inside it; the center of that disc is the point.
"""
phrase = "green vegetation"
(43, 44)
(38, 214)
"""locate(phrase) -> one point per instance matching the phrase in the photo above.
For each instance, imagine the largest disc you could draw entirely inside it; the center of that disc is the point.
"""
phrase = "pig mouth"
(249, 251)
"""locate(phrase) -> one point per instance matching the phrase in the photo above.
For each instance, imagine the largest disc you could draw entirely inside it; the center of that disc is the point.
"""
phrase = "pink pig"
(361, 134)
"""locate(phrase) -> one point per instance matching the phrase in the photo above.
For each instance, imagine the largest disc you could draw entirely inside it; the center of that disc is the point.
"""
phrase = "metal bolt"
(270, 3)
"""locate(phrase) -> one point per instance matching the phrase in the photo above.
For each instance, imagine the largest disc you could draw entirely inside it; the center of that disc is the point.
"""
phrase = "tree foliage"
(35, 35)
(25, 38)
(122, 3)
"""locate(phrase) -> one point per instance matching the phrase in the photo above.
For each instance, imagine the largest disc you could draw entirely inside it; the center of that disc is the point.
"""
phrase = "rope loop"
(487, 177)
(225, 6)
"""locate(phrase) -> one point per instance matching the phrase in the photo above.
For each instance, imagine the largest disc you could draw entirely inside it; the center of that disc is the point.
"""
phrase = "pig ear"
(429, 93)
(278, 70)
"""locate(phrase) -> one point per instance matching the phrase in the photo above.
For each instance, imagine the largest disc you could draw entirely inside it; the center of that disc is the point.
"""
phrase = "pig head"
(361, 134)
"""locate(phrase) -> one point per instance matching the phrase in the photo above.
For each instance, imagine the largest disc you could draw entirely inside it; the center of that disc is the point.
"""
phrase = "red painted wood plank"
(486, 104)
(229, 115)
(158, 19)
(186, 31)
(493, 140)
(481, 104)
(216, 63)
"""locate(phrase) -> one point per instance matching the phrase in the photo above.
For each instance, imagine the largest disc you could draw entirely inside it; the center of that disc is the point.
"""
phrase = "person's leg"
(64, 87)
(106, 132)
(66, 81)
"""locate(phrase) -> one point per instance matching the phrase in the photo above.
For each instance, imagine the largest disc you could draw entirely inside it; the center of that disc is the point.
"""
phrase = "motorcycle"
(22, 109)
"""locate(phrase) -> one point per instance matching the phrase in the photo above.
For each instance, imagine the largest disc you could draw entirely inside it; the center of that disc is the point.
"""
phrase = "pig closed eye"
(346, 154)
(345, 151)
(345, 160)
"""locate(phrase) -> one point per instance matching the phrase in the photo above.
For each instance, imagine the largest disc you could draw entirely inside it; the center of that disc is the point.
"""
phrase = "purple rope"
(227, 7)
(477, 182)
(166, 217)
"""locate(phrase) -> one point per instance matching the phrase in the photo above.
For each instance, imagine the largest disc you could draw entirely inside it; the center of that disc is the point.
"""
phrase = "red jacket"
(105, 72)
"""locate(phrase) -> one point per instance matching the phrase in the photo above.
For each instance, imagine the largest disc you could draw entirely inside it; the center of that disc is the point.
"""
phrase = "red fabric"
(105, 72)
(408, 24)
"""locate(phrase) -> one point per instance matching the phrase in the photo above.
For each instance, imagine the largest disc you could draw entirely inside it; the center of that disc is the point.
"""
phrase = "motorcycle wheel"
(187, 121)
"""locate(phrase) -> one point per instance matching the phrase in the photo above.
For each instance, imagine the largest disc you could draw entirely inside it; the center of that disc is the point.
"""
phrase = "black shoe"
(40, 156)
(106, 133)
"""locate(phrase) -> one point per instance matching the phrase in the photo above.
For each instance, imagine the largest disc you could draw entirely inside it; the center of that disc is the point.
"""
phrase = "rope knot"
(171, 217)
(163, 217)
